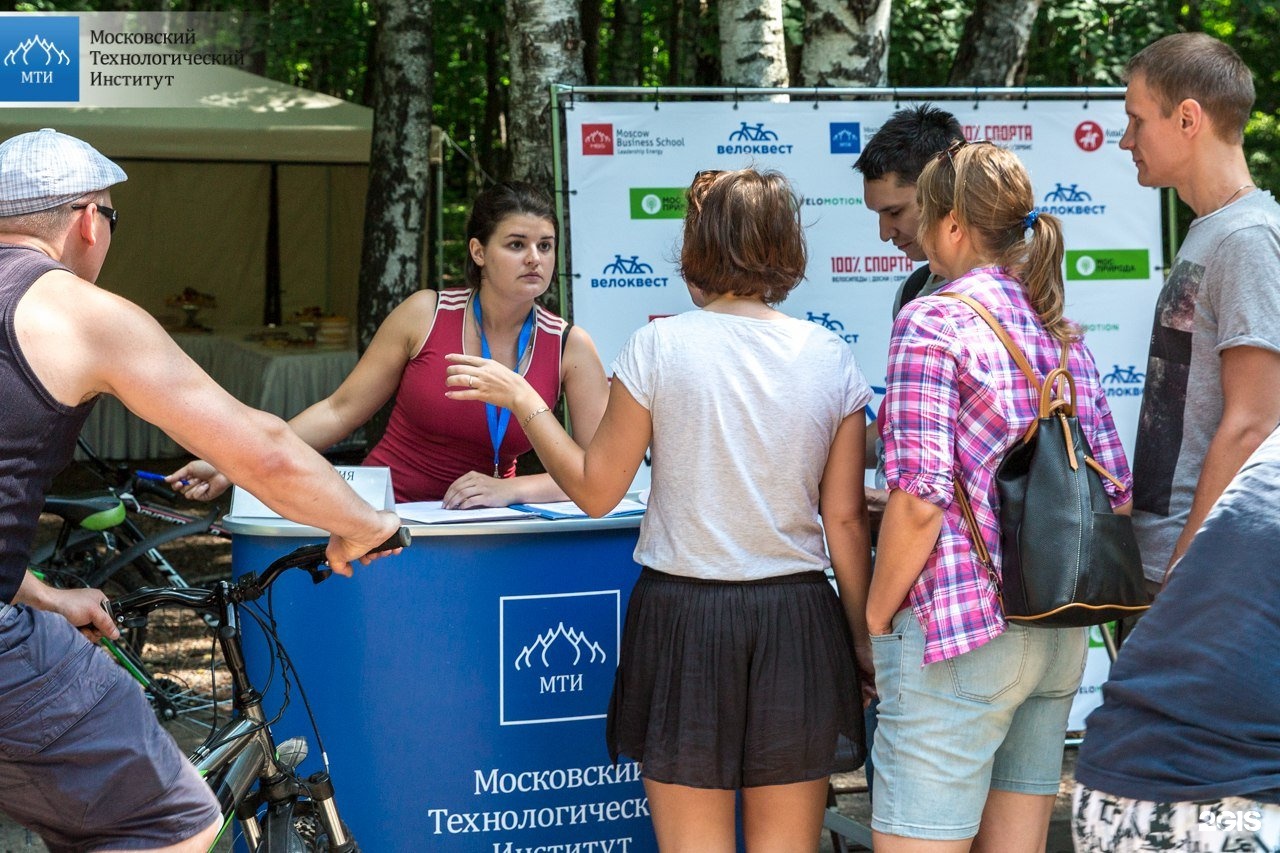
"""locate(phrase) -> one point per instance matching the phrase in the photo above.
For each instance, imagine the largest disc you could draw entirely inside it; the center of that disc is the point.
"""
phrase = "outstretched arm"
(108, 345)
(596, 478)
(369, 385)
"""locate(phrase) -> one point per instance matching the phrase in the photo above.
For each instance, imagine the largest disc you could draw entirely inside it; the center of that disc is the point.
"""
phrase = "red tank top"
(431, 440)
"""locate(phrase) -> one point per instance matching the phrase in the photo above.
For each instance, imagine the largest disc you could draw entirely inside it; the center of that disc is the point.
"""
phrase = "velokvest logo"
(657, 203)
(1108, 264)
(39, 58)
(559, 653)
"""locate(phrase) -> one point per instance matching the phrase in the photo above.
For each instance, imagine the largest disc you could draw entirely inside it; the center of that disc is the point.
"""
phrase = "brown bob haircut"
(742, 235)
(1197, 66)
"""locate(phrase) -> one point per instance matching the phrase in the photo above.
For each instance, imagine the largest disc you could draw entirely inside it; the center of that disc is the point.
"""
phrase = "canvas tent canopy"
(197, 208)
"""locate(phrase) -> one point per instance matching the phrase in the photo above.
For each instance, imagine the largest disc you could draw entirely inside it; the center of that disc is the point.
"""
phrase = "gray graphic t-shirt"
(1223, 292)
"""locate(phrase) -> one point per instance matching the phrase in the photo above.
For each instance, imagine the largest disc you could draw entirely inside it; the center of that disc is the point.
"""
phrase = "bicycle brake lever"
(320, 575)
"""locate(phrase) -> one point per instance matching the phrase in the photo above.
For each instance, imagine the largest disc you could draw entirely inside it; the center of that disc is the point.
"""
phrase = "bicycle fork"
(279, 787)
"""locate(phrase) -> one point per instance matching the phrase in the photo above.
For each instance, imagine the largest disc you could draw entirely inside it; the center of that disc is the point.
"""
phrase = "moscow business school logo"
(558, 654)
(602, 140)
(628, 272)
(41, 58)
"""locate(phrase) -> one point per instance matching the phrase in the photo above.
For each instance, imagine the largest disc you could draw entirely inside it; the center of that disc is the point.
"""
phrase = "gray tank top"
(37, 433)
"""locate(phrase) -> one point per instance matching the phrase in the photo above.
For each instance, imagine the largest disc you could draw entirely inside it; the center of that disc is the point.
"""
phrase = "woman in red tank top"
(455, 451)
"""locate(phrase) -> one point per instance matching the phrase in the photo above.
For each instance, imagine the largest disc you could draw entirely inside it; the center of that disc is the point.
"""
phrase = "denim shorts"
(83, 761)
(992, 718)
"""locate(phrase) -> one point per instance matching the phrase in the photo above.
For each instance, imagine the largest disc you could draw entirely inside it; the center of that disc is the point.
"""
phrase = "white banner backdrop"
(628, 165)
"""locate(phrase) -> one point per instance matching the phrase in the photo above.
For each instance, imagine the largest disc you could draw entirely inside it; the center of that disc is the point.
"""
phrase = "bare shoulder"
(407, 324)
(62, 300)
(579, 341)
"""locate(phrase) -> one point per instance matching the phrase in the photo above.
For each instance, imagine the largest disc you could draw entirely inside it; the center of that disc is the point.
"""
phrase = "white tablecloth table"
(280, 380)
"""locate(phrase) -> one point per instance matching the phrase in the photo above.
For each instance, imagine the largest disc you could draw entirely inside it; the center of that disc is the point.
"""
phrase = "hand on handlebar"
(86, 609)
(342, 552)
(198, 481)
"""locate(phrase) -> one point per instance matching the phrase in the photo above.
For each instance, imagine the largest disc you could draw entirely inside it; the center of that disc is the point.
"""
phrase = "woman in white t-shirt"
(737, 669)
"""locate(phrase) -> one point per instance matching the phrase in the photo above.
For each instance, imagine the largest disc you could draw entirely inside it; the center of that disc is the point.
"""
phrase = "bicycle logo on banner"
(752, 133)
(1126, 376)
(1071, 193)
(626, 266)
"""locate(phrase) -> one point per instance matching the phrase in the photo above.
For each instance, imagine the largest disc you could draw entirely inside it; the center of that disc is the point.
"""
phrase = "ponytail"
(1036, 259)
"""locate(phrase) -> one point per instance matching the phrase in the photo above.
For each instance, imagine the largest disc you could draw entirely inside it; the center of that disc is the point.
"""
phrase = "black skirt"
(736, 684)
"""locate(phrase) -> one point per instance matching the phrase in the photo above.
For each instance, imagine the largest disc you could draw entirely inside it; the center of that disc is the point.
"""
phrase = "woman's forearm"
(908, 536)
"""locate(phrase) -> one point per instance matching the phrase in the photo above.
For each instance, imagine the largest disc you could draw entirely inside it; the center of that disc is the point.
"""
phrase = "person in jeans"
(972, 709)
(83, 760)
(737, 669)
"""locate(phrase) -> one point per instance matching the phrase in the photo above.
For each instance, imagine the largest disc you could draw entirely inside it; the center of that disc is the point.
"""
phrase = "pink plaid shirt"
(955, 404)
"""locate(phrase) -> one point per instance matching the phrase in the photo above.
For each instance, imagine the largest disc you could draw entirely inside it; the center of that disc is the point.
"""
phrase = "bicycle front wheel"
(307, 835)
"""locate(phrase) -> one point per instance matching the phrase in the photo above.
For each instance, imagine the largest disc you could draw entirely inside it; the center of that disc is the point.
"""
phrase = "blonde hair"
(989, 190)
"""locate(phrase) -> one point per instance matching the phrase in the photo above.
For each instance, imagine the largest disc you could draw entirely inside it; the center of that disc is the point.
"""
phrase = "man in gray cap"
(83, 761)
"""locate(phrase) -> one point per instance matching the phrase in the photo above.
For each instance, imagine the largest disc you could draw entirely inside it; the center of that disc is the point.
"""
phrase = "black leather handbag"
(1067, 559)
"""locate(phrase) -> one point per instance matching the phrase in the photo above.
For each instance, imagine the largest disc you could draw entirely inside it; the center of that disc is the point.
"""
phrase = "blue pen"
(149, 475)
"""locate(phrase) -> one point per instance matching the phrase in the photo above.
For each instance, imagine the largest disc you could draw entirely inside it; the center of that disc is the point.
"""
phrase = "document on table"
(433, 512)
(569, 509)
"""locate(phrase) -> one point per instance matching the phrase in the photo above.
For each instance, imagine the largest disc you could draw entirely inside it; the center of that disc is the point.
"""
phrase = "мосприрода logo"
(628, 272)
(558, 654)
(39, 58)
(753, 139)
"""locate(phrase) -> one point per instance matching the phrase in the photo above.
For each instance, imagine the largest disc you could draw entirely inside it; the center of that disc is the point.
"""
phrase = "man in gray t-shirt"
(1213, 375)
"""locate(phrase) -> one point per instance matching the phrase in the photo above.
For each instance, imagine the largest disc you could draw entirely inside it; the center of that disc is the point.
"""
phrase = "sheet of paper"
(433, 512)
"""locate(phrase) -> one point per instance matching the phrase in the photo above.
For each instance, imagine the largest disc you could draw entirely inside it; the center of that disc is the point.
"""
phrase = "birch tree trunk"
(544, 38)
(846, 43)
(391, 262)
(994, 44)
(752, 48)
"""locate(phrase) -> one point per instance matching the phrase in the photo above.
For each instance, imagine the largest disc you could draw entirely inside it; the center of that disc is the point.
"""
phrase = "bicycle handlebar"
(130, 610)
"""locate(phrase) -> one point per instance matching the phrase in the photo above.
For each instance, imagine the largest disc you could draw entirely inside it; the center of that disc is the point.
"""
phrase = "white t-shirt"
(744, 412)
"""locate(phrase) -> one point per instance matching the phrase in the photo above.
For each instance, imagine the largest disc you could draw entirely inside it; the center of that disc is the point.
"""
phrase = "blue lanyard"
(497, 416)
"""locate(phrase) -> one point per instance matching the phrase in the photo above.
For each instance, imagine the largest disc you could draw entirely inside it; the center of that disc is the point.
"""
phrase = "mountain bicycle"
(254, 778)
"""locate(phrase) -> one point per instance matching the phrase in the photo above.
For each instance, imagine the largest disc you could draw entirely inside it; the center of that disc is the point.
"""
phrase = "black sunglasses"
(113, 216)
(953, 149)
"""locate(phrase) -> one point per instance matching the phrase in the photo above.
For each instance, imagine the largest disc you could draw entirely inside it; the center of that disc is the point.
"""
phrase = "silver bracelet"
(524, 424)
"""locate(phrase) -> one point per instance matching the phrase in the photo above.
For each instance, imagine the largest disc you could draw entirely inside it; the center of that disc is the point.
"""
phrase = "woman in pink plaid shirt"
(972, 709)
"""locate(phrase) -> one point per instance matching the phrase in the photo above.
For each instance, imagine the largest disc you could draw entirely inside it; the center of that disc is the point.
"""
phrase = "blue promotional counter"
(461, 687)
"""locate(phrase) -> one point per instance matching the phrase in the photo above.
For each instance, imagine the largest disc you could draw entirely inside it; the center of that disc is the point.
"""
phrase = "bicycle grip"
(400, 539)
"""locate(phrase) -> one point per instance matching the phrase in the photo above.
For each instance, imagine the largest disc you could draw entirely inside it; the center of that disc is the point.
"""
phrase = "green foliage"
(923, 38)
(1088, 42)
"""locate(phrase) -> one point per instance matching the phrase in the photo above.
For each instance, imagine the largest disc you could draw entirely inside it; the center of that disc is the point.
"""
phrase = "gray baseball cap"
(43, 169)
